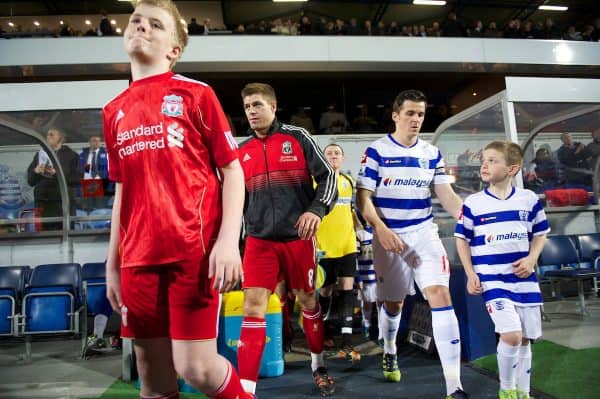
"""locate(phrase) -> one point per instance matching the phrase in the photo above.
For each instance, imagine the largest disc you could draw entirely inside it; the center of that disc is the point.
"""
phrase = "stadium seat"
(93, 277)
(559, 261)
(12, 283)
(51, 301)
(589, 255)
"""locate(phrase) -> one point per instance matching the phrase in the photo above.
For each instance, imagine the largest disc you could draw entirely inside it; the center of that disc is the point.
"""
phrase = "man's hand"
(225, 265)
(473, 284)
(307, 225)
(113, 286)
(389, 240)
(524, 267)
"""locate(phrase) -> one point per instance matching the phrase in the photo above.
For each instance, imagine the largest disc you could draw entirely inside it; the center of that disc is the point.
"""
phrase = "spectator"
(194, 28)
(41, 174)
(551, 31)
(363, 122)
(589, 34)
(239, 30)
(477, 30)
(332, 121)
(105, 28)
(340, 28)
(572, 34)
(593, 148)
(354, 28)
(305, 27)
(367, 28)
(93, 164)
(422, 31)
(453, 27)
(66, 30)
(205, 28)
(393, 29)
(543, 172)
(513, 29)
(528, 31)
(381, 29)
(573, 156)
(301, 119)
(492, 30)
(435, 30)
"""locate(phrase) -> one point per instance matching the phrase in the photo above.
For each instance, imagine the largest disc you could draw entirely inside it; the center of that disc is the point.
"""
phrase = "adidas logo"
(246, 157)
(120, 114)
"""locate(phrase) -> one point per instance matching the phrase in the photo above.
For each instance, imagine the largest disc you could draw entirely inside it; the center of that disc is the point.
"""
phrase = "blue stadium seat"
(51, 301)
(93, 276)
(12, 283)
(589, 254)
(560, 261)
(559, 253)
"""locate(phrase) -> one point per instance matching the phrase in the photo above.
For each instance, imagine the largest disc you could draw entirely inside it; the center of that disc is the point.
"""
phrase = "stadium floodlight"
(289, 1)
(553, 8)
(429, 2)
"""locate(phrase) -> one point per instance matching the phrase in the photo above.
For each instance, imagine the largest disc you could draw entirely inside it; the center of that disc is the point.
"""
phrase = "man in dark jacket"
(282, 213)
(41, 174)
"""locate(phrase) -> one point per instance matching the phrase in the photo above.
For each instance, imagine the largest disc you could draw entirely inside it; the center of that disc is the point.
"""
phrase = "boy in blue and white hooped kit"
(499, 237)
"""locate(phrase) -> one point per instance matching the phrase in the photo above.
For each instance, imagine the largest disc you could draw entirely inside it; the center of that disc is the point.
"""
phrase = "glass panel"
(86, 176)
(461, 146)
(16, 195)
(562, 154)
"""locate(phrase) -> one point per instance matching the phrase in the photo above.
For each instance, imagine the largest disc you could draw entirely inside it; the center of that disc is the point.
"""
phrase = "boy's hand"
(225, 265)
(389, 240)
(524, 267)
(473, 284)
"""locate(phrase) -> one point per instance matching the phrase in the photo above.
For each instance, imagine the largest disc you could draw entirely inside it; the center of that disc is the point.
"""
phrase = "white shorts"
(368, 292)
(424, 260)
(508, 317)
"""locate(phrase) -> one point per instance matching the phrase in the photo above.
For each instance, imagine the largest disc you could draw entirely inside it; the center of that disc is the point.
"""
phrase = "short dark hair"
(264, 89)
(410, 95)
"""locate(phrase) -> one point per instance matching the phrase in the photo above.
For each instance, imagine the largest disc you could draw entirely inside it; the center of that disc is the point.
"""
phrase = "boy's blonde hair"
(264, 89)
(180, 38)
(512, 152)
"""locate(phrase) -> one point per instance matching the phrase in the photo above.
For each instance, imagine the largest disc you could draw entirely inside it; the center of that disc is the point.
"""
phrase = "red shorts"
(174, 300)
(265, 262)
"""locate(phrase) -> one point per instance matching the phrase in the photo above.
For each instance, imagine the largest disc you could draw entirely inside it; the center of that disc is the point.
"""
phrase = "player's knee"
(307, 300)
(393, 307)
(195, 374)
(255, 305)
(512, 338)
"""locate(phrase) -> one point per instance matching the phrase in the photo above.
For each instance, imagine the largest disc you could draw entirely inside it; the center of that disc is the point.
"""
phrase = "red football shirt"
(165, 136)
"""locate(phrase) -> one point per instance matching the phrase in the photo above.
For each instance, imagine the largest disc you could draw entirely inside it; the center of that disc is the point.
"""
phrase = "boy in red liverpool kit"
(282, 214)
(171, 248)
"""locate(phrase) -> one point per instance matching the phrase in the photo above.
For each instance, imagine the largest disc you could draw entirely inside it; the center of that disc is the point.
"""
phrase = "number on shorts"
(311, 277)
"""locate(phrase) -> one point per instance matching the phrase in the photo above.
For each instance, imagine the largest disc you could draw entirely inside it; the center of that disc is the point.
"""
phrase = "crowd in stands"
(451, 27)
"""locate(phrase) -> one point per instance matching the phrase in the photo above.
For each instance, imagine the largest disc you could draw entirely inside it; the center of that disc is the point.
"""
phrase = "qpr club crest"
(172, 105)
(524, 215)
(423, 163)
(286, 147)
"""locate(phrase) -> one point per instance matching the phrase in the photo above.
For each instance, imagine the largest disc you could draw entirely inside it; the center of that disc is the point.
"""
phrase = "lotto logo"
(499, 305)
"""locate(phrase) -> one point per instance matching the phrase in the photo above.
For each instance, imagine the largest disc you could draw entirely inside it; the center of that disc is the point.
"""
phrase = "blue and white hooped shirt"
(499, 232)
(400, 178)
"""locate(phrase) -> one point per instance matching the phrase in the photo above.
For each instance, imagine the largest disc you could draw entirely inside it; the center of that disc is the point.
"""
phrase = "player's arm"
(450, 201)
(525, 266)
(225, 261)
(464, 253)
(113, 264)
(388, 239)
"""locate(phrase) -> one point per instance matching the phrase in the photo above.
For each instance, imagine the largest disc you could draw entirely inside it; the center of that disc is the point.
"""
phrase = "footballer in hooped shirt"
(394, 196)
(499, 237)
